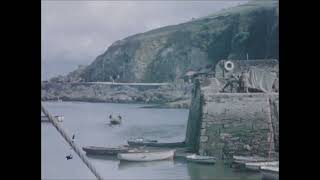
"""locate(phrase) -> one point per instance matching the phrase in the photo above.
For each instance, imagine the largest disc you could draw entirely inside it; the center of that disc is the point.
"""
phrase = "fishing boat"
(148, 155)
(154, 143)
(255, 166)
(270, 172)
(94, 150)
(201, 159)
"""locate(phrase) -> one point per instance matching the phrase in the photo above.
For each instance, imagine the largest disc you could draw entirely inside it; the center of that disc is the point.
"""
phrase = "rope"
(55, 123)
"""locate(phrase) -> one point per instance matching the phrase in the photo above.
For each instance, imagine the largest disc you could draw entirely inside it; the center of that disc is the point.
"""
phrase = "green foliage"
(230, 34)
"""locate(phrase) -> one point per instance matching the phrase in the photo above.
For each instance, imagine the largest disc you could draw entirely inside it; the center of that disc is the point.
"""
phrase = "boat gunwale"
(149, 152)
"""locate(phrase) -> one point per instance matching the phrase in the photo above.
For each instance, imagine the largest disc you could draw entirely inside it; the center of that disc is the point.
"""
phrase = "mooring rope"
(55, 123)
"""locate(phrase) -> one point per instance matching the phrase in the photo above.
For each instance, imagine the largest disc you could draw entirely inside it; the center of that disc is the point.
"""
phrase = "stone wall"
(226, 124)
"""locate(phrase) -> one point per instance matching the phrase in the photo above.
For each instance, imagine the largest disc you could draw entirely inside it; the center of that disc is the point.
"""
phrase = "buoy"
(228, 65)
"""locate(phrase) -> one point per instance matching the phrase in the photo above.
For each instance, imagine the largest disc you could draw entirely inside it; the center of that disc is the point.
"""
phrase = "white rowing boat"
(46, 119)
(201, 159)
(248, 159)
(152, 155)
(270, 172)
(255, 166)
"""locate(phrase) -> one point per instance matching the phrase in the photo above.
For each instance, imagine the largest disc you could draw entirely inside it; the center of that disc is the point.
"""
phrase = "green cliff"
(164, 54)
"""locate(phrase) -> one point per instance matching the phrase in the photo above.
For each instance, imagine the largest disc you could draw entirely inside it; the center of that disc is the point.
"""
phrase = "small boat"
(140, 142)
(94, 150)
(270, 172)
(154, 143)
(153, 155)
(248, 159)
(255, 166)
(115, 121)
(46, 119)
(201, 159)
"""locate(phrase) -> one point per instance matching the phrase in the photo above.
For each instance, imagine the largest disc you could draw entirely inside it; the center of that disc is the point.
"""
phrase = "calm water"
(88, 121)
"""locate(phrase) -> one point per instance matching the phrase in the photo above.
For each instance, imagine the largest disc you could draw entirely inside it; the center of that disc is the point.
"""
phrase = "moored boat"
(148, 155)
(94, 150)
(255, 166)
(248, 159)
(270, 172)
(154, 143)
(201, 159)
(46, 119)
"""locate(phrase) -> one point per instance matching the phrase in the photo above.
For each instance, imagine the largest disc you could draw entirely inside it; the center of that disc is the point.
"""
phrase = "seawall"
(227, 124)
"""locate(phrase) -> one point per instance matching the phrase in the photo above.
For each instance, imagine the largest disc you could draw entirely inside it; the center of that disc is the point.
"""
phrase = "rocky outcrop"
(164, 54)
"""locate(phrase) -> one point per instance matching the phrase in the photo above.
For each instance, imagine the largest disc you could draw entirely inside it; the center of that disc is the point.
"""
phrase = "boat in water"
(154, 143)
(94, 150)
(270, 172)
(240, 161)
(201, 159)
(248, 159)
(148, 155)
(114, 120)
(59, 118)
(255, 166)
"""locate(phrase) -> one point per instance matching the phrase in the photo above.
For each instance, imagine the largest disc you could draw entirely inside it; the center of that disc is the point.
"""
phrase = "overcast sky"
(76, 32)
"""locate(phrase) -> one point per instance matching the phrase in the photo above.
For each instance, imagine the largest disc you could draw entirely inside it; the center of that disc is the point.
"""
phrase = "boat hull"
(256, 165)
(91, 150)
(46, 119)
(147, 156)
(201, 159)
(157, 144)
(206, 161)
(270, 172)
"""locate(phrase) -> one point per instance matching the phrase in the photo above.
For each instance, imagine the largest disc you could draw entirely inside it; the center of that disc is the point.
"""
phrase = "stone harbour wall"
(227, 124)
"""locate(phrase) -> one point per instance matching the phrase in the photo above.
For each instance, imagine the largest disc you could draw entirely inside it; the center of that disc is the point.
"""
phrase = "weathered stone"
(224, 136)
(237, 124)
(247, 147)
(203, 138)
(203, 125)
(202, 132)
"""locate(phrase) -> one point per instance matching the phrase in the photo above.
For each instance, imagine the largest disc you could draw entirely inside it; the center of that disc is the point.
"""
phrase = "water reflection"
(218, 171)
(123, 165)
(102, 157)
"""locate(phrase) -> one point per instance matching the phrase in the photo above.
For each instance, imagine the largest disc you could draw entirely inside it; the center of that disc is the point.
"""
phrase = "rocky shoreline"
(172, 96)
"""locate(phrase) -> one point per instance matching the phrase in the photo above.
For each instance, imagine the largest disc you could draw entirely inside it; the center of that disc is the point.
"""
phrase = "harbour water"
(88, 121)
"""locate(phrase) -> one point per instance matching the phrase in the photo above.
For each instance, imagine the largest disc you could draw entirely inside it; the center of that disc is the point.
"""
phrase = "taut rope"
(55, 123)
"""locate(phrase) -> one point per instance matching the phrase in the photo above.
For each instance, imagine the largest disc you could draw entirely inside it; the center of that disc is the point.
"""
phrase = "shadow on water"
(218, 171)
(102, 157)
(123, 165)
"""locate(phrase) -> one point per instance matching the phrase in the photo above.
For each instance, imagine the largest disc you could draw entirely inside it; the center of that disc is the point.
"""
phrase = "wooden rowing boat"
(46, 119)
(151, 155)
(270, 172)
(248, 159)
(201, 159)
(155, 143)
(94, 150)
(255, 166)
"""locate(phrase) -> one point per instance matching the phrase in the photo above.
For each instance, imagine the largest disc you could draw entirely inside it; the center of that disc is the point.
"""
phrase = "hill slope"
(163, 54)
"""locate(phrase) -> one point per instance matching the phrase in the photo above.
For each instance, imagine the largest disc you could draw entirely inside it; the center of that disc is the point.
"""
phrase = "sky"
(75, 32)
